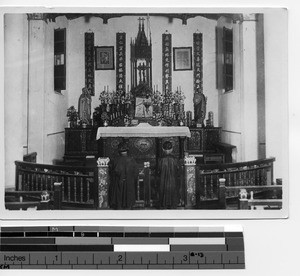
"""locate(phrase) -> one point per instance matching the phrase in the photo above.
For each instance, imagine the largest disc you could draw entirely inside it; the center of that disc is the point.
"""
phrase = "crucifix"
(141, 19)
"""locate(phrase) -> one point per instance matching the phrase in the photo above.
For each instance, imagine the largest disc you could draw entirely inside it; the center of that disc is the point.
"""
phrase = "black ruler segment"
(114, 247)
(113, 234)
(60, 234)
(85, 234)
(27, 240)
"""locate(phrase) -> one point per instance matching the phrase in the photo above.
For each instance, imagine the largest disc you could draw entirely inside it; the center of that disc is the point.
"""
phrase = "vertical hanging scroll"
(89, 63)
(167, 63)
(121, 62)
(198, 60)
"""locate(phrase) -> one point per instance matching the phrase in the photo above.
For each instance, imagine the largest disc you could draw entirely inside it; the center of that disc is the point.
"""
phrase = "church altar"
(143, 130)
(144, 141)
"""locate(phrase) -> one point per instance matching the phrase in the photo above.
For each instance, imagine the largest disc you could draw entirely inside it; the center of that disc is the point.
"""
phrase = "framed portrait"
(143, 108)
(182, 57)
(104, 58)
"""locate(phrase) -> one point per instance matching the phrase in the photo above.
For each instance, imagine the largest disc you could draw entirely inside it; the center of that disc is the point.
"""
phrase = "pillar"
(103, 183)
(249, 90)
(190, 181)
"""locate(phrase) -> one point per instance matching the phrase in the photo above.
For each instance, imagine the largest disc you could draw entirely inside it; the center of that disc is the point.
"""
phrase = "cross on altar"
(141, 19)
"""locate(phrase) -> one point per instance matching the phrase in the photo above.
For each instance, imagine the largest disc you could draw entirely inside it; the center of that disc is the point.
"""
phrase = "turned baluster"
(75, 188)
(81, 189)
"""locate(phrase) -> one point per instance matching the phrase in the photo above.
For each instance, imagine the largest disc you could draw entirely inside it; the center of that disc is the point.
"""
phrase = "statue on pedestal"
(199, 108)
(84, 106)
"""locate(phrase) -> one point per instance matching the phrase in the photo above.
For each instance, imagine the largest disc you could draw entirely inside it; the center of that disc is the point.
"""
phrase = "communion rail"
(78, 184)
(256, 176)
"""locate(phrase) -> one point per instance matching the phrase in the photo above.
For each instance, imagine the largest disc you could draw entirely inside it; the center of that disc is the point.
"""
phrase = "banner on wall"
(89, 63)
(198, 62)
(167, 63)
(121, 62)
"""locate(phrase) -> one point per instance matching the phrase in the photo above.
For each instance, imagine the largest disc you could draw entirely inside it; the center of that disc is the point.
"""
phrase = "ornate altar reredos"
(141, 75)
(143, 102)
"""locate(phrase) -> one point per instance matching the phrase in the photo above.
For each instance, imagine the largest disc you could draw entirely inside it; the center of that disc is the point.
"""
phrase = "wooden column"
(103, 183)
(147, 184)
(190, 181)
(181, 147)
(222, 193)
(57, 195)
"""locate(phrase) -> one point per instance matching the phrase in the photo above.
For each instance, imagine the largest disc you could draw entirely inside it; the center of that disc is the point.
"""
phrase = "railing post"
(190, 181)
(57, 195)
(17, 177)
(103, 182)
(147, 183)
(243, 200)
(45, 200)
(222, 193)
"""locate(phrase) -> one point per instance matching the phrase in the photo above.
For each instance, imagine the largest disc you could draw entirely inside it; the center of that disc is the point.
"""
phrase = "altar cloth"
(143, 130)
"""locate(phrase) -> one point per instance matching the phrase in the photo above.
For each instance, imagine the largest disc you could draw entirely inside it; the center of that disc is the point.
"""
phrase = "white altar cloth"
(143, 130)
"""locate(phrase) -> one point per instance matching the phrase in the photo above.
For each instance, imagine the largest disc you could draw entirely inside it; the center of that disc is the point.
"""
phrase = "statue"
(199, 107)
(84, 106)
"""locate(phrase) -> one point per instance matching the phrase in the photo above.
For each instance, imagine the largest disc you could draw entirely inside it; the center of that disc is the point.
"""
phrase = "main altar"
(144, 141)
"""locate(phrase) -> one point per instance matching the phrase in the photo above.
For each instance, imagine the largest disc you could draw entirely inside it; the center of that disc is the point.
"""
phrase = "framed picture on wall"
(104, 58)
(182, 57)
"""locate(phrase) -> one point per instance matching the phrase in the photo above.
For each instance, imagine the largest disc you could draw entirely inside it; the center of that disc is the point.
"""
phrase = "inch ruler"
(106, 247)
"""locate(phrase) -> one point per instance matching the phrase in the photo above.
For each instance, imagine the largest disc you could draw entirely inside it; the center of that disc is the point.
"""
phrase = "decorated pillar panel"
(103, 183)
(167, 63)
(190, 181)
(198, 63)
(89, 63)
(121, 62)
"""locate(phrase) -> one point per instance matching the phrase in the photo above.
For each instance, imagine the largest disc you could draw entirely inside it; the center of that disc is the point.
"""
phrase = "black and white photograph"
(187, 116)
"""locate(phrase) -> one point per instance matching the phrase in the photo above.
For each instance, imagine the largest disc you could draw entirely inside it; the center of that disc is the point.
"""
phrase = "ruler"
(114, 247)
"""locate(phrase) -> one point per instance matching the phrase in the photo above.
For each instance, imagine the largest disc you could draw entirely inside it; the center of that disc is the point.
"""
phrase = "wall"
(275, 24)
(238, 110)
(230, 107)
(15, 86)
(56, 103)
(105, 35)
(47, 108)
(34, 113)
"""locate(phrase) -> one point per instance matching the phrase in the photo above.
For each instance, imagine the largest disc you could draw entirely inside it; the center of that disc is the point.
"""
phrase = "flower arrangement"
(178, 97)
(157, 98)
(106, 97)
(168, 97)
(72, 114)
(114, 97)
(128, 98)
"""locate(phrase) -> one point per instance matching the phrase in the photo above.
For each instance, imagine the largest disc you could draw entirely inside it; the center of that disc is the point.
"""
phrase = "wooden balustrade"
(78, 184)
(258, 173)
(198, 184)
